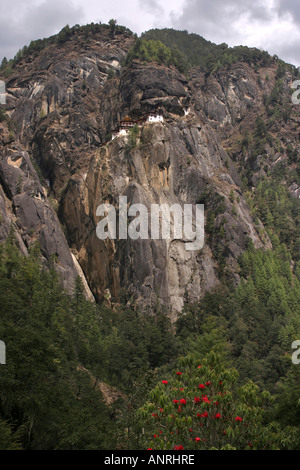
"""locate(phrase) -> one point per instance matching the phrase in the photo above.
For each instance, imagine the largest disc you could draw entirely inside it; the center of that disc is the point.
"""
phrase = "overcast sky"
(273, 25)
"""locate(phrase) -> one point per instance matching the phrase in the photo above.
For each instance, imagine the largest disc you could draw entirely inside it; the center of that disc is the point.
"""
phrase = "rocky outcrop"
(26, 210)
(229, 96)
(66, 102)
(143, 89)
(171, 164)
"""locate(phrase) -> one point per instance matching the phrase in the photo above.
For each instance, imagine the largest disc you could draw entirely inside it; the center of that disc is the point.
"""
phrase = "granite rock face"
(65, 102)
(171, 164)
(25, 208)
(145, 89)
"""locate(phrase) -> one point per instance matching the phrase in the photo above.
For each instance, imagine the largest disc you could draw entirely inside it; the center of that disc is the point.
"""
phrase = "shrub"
(201, 408)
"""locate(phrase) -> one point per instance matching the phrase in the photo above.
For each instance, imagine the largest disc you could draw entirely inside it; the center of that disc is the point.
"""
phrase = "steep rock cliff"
(66, 101)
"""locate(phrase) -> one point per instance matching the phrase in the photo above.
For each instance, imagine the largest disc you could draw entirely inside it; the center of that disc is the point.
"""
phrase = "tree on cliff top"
(112, 23)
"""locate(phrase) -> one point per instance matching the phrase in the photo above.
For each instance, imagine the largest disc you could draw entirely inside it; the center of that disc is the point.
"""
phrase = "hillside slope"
(63, 103)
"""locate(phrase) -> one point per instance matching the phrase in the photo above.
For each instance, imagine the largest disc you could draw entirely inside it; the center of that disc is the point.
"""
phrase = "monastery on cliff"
(127, 123)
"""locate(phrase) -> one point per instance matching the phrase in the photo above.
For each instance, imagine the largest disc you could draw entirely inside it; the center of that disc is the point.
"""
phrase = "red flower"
(238, 418)
(178, 373)
(202, 386)
(178, 448)
(205, 399)
(197, 439)
(175, 401)
(183, 401)
(218, 416)
(165, 382)
(197, 400)
(207, 384)
(205, 415)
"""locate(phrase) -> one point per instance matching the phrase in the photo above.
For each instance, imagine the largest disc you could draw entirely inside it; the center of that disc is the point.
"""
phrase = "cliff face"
(51, 121)
(26, 210)
(65, 102)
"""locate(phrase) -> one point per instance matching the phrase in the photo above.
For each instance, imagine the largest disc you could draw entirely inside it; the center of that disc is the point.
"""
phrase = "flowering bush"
(185, 414)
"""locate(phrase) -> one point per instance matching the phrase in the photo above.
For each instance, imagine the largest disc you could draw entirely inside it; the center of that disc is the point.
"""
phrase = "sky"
(272, 25)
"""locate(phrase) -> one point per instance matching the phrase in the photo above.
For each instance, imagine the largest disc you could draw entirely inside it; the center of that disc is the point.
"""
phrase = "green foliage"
(287, 405)
(210, 57)
(135, 342)
(155, 51)
(42, 390)
(6, 67)
(4, 63)
(133, 136)
(61, 38)
(59, 347)
(260, 128)
(279, 212)
(278, 103)
(200, 407)
(9, 440)
(252, 325)
(63, 35)
(112, 23)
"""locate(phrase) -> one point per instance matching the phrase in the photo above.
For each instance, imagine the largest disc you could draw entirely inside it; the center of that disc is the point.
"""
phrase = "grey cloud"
(206, 16)
(19, 25)
(288, 51)
(289, 6)
(221, 13)
(222, 21)
(151, 6)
